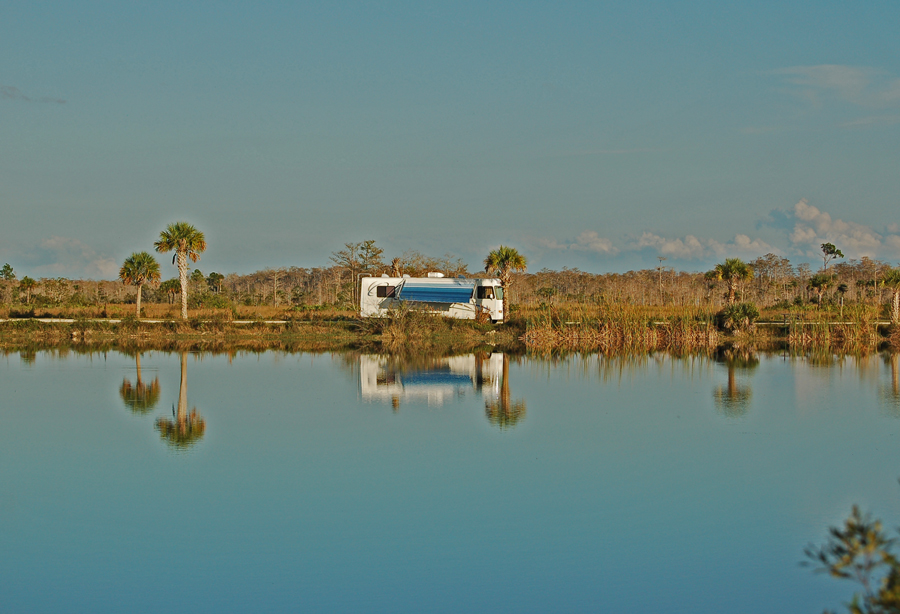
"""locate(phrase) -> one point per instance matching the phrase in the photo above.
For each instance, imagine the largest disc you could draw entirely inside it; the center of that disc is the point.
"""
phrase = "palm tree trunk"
(182, 274)
(138, 315)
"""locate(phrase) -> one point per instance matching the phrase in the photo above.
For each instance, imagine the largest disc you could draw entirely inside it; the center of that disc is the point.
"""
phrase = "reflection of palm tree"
(504, 412)
(893, 395)
(733, 400)
(187, 428)
(139, 398)
(895, 375)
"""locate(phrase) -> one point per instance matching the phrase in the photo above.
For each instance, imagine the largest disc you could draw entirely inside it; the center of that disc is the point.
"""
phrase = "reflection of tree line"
(185, 428)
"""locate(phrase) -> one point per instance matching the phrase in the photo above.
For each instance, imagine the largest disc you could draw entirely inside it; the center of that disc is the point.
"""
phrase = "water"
(490, 483)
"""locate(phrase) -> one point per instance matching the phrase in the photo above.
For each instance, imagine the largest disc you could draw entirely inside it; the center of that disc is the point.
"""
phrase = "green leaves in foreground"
(862, 552)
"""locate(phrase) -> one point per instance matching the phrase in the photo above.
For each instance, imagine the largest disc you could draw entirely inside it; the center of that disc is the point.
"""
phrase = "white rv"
(456, 298)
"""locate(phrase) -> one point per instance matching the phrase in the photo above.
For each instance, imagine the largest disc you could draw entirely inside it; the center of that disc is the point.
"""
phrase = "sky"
(584, 134)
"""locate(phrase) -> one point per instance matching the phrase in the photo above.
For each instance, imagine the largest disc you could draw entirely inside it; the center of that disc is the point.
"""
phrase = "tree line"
(335, 285)
(768, 281)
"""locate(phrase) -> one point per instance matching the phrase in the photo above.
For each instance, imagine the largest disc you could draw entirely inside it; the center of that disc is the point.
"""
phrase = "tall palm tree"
(138, 269)
(891, 279)
(502, 262)
(733, 271)
(187, 242)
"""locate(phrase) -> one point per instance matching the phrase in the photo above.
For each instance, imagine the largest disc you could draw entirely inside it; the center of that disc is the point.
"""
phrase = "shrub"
(737, 317)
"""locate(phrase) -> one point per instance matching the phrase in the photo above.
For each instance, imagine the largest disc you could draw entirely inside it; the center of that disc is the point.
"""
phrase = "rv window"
(499, 293)
(485, 292)
(384, 291)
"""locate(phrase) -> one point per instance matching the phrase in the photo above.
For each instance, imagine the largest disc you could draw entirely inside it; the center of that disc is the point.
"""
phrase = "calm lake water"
(489, 483)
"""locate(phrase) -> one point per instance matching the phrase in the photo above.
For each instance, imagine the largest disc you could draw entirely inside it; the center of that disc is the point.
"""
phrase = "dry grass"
(620, 327)
(857, 332)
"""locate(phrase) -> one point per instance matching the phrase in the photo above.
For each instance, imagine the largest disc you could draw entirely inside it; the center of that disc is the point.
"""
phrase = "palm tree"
(187, 428)
(171, 287)
(891, 279)
(139, 268)
(502, 262)
(27, 285)
(187, 242)
(732, 271)
(820, 282)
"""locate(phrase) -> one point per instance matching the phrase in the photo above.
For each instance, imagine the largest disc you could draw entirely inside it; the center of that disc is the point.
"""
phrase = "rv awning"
(460, 292)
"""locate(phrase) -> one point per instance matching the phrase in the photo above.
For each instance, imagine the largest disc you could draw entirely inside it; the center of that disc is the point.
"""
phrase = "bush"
(737, 317)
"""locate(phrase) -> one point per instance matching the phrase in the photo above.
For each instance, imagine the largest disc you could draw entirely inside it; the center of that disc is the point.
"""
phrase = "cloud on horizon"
(677, 248)
(65, 257)
(812, 227)
(860, 86)
(805, 229)
(8, 92)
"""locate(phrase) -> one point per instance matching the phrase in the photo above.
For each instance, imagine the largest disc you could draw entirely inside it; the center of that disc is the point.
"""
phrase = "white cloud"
(691, 247)
(590, 241)
(677, 248)
(587, 241)
(684, 249)
(813, 227)
(859, 85)
(742, 246)
(65, 257)
(893, 243)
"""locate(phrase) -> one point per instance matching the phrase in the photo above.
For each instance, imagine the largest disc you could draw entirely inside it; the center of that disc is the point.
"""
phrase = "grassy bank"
(632, 328)
(575, 327)
(406, 329)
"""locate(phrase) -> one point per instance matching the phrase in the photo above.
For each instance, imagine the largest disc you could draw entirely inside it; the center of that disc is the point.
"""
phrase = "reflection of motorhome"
(457, 298)
(382, 379)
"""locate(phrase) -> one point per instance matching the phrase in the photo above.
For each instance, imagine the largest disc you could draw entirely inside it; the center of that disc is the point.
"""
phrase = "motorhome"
(460, 297)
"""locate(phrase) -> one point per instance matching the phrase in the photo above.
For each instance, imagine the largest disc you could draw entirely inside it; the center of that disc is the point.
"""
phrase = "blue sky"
(596, 135)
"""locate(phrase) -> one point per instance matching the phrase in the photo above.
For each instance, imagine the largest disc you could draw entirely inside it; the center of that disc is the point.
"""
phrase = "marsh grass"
(404, 330)
(619, 327)
(857, 332)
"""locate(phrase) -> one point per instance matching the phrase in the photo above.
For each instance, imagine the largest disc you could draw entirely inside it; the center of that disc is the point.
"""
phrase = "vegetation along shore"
(846, 302)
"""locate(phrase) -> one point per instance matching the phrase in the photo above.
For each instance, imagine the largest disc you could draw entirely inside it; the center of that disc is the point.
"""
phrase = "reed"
(620, 328)
(857, 332)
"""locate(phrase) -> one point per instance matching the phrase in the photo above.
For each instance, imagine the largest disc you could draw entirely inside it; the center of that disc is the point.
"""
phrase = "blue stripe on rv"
(437, 294)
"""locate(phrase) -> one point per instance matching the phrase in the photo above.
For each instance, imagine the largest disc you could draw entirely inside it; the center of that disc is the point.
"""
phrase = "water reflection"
(140, 398)
(437, 380)
(187, 428)
(892, 394)
(733, 399)
(502, 411)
